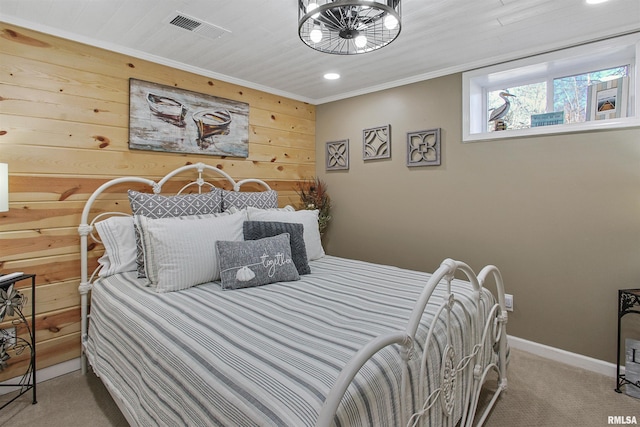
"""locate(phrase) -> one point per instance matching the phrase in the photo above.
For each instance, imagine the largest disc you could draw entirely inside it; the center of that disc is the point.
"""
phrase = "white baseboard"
(556, 354)
(46, 374)
(563, 356)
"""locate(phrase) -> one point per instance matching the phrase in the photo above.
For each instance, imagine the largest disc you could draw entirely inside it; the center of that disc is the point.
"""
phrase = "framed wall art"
(337, 155)
(165, 118)
(423, 148)
(376, 143)
(608, 100)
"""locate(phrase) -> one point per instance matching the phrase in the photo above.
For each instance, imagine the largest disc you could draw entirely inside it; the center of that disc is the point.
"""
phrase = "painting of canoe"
(165, 118)
(167, 109)
(211, 123)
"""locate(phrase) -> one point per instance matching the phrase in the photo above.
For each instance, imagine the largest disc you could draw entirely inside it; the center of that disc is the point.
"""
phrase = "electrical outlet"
(8, 335)
(508, 302)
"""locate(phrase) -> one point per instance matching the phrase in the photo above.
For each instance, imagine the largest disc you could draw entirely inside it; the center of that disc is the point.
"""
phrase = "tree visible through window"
(570, 93)
(569, 96)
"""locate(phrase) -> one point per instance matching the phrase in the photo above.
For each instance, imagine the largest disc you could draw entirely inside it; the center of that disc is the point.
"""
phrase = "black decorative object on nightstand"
(12, 343)
(628, 302)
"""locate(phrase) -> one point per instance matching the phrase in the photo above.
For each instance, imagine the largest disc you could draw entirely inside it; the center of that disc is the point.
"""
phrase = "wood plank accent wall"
(64, 114)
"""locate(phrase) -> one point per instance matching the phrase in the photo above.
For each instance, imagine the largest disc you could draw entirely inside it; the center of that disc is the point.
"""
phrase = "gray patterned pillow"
(157, 206)
(240, 200)
(255, 262)
(254, 230)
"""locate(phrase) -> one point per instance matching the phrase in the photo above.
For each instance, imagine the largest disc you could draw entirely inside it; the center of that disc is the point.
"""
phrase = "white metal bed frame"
(487, 332)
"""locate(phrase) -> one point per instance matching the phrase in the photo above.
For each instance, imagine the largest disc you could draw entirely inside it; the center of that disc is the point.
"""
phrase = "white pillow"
(309, 220)
(288, 208)
(180, 252)
(119, 240)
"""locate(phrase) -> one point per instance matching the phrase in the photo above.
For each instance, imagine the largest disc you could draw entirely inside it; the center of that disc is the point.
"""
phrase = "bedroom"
(558, 214)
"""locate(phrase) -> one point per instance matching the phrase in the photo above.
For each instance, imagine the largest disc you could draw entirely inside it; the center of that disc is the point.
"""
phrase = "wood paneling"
(64, 132)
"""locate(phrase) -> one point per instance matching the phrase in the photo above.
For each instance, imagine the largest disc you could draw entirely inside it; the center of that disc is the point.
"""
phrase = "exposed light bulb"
(390, 22)
(361, 41)
(316, 34)
(313, 6)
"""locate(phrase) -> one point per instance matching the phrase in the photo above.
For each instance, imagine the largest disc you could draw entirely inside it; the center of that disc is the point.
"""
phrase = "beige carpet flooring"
(541, 393)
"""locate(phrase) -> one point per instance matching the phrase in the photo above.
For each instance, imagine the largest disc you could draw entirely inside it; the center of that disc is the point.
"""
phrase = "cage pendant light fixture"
(344, 27)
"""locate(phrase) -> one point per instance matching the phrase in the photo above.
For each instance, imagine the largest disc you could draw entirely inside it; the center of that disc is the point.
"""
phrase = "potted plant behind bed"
(313, 195)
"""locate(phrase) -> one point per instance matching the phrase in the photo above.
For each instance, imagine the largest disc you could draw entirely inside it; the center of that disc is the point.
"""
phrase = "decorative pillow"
(158, 206)
(308, 218)
(119, 240)
(287, 208)
(256, 262)
(180, 252)
(254, 230)
(240, 200)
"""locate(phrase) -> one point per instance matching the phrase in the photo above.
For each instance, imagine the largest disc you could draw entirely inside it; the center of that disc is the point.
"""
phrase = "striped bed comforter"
(264, 356)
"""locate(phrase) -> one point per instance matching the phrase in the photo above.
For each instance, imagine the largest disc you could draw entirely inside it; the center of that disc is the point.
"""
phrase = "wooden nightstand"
(12, 302)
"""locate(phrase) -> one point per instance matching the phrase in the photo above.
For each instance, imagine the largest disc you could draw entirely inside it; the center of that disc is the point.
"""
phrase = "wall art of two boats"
(209, 122)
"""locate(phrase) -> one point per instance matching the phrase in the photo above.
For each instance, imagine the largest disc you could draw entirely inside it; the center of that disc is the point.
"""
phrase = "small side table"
(628, 302)
(12, 302)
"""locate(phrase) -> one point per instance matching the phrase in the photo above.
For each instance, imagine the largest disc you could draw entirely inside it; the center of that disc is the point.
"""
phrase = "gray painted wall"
(559, 215)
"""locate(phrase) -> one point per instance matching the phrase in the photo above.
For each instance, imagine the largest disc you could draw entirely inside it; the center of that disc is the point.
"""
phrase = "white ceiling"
(263, 51)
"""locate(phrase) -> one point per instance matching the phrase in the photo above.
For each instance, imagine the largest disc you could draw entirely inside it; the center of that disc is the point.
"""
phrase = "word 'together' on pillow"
(181, 252)
(159, 206)
(240, 200)
(309, 220)
(118, 237)
(254, 230)
(256, 262)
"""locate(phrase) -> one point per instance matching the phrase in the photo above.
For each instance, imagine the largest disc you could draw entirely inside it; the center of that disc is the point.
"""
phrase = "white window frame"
(577, 60)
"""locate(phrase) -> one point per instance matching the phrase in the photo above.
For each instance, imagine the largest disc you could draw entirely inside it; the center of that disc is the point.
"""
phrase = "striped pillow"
(180, 252)
(118, 237)
(158, 206)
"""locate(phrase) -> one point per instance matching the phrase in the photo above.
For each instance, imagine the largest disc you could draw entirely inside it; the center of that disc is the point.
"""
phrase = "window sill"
(599, 125)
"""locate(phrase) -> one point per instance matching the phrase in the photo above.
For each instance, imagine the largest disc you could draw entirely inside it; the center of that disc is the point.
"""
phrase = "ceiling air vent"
(195, 25)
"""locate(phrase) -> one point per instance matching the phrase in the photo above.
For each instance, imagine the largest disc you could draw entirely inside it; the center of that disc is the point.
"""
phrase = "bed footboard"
(471, 363)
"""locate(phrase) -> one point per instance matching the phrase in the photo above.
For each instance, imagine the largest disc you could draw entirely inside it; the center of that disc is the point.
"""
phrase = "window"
(570, 93)
(527, 100)
(550, 93)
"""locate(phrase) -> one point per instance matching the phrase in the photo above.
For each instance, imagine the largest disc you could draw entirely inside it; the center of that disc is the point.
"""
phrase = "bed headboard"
(199, 182)
(86, 227)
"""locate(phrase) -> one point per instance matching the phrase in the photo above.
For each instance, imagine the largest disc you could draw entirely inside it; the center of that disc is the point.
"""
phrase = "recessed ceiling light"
(332, 76)
(596, 1)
